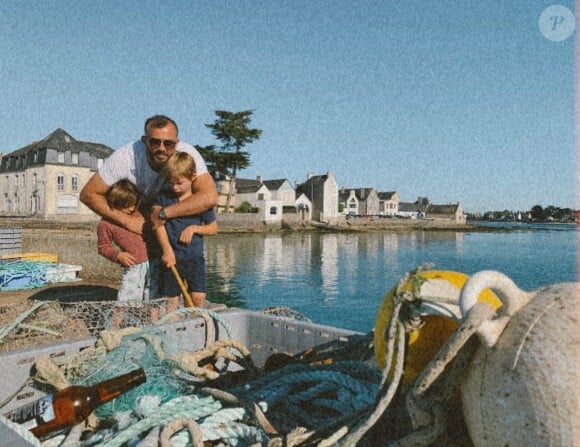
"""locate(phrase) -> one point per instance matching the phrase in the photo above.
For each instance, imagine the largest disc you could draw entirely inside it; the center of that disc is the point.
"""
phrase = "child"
(181, 238)
(129, 248)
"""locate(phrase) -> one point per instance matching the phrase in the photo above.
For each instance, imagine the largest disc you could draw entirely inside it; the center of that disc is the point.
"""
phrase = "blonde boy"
(181, 238)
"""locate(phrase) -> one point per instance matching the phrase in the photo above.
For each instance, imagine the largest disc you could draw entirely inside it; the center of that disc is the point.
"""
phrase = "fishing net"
(299, 394)
(148, 350)
(182, 382)
(20, 274)
(285, 312)
(31, 323)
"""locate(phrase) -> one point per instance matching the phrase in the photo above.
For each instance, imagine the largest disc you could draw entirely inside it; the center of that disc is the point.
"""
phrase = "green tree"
(231, 128)
(245, 207)
(537, 212)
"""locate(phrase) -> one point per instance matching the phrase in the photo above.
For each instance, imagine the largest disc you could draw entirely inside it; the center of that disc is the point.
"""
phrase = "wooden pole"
(186, 296)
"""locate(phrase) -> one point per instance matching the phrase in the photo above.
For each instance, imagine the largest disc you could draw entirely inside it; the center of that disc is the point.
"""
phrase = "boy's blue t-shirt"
(176, 225)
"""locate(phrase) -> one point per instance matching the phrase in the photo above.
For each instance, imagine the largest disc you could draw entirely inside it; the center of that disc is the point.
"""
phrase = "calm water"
(340, 279)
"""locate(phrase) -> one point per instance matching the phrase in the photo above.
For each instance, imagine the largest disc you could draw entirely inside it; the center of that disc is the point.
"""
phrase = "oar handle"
(186, 296)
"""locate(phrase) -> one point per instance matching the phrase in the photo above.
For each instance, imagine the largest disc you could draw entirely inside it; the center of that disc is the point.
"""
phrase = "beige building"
(44, 179)
(322, 191)
(359, 201)
(450, 212)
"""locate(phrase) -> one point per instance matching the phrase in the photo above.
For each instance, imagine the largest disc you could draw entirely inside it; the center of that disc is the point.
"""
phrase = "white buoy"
(521, 388)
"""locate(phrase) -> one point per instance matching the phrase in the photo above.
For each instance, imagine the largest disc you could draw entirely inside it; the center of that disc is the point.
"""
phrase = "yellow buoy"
(424, 342)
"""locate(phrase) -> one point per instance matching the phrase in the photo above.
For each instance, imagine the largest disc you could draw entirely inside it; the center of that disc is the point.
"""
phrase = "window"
(260, 196)
(60, 157)
(99, 162)
(74, 183)
(75, 158)
(273, 210)
(60, 182)
(35, 157)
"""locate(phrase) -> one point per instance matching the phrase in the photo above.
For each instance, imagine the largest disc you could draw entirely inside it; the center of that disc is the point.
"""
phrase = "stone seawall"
(251, 223)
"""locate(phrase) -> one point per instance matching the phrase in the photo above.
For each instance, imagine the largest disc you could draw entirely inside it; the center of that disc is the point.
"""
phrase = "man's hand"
(134, 222)
(93, 196)
(126, 259)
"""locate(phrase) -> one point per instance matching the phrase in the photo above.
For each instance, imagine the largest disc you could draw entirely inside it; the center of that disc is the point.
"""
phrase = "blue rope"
(20, 274)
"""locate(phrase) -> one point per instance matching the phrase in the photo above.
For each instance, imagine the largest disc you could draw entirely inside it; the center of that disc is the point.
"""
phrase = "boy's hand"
(126, 259)
(168, 258)
(187, 235)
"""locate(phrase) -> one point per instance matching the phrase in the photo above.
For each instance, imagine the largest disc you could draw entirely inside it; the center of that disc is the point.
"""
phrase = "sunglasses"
(154, 143)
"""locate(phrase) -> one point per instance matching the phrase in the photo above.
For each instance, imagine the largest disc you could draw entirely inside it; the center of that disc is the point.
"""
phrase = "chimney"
(259, 178)
(310, 175)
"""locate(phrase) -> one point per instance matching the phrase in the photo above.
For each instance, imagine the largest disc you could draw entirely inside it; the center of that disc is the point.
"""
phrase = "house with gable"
(251, 191)
(450, 212)
(388, 203)
(423, 209)
(413, 210)
(303, 207)
(45, 178)
(359, 201)
(281, 190)
(408, 210)
(322, 191)
(255, 192)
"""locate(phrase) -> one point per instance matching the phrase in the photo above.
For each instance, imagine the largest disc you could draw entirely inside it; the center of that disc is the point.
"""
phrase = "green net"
(137, 351)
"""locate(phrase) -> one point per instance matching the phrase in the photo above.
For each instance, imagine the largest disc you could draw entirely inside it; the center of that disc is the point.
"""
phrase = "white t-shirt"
(130, 162)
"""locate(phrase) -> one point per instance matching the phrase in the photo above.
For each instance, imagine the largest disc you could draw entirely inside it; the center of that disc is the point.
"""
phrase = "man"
(140, 162)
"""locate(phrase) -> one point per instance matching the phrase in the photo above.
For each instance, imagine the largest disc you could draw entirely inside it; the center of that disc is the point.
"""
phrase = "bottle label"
(41, 410)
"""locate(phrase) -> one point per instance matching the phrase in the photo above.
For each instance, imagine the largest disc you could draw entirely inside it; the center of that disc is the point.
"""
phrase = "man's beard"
(155, 163)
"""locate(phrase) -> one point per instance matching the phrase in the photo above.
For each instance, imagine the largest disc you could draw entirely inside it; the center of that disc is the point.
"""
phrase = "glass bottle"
(56, 412)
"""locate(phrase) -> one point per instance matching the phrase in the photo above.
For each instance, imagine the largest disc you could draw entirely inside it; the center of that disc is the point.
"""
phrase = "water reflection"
(340, 278)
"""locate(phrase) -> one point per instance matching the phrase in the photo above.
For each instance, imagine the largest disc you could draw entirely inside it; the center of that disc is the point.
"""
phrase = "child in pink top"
(123, 246)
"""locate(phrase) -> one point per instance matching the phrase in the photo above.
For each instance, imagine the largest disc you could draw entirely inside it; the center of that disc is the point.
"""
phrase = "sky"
(459, 101)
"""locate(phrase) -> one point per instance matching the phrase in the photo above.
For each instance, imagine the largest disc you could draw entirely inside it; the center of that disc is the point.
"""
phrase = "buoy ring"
(424, 342)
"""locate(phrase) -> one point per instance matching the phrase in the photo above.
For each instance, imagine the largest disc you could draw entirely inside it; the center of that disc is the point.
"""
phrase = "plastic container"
(262, 334)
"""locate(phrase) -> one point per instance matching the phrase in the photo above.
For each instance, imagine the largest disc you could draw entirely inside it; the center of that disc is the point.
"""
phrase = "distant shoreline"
(349, 225)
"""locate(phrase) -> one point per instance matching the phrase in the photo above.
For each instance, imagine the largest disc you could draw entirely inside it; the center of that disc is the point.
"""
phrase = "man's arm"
(93, 196)
(203, 198)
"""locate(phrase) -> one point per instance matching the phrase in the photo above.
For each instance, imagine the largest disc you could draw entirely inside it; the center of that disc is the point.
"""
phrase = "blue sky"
(459, 101)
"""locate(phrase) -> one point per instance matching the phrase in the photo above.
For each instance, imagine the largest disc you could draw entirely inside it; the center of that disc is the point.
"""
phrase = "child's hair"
(122, 194)
(179, 165)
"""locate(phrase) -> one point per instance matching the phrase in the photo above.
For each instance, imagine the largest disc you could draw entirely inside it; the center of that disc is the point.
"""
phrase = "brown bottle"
(73, 404)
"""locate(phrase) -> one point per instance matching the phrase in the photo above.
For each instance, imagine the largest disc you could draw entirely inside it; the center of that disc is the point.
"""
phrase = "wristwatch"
(162, 215)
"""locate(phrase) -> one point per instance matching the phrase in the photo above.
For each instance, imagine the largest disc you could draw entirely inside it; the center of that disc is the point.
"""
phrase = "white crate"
(63, 273)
